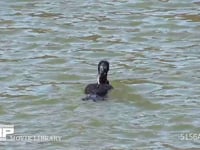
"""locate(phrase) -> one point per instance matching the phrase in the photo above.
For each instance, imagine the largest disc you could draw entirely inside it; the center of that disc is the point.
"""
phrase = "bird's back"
(98, 89)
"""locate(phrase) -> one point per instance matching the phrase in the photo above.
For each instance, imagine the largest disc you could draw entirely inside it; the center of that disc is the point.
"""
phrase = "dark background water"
(49, 51)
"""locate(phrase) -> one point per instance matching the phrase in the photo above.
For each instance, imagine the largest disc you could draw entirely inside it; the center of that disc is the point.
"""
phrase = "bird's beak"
(102, 71)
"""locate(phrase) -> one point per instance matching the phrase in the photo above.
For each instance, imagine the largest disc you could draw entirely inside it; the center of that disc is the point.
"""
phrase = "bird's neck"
(102, 79)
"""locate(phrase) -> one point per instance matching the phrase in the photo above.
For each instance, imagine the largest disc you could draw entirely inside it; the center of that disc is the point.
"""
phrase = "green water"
(49, 51)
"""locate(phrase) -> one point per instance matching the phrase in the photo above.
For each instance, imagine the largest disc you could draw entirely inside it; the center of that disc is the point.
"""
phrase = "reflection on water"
(49, 51)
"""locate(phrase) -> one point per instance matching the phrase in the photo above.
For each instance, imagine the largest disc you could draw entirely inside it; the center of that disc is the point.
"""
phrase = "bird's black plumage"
(99, 90)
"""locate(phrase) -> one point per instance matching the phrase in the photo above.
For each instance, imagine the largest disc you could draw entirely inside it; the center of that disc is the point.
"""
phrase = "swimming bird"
(99, 90)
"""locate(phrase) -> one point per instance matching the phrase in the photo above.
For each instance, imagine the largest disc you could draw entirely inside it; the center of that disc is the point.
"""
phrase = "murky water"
(49, 51)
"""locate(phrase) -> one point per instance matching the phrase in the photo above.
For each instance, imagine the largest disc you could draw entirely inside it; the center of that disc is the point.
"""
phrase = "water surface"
(49, 51)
